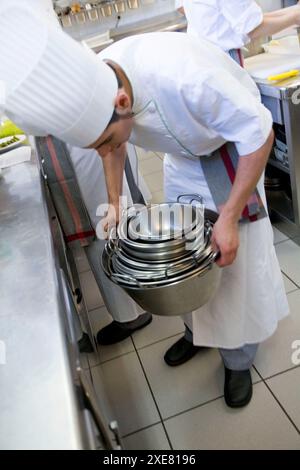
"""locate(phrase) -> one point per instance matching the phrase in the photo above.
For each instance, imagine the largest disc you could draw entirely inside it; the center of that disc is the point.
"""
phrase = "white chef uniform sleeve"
(221, 103)
(243, 16)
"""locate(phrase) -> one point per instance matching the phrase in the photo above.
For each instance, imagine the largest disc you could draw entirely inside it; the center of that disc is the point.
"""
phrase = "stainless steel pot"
(133, 263)
(186, 294)
(180, 297)
(164, 222)
(156, 247)
(160, 272)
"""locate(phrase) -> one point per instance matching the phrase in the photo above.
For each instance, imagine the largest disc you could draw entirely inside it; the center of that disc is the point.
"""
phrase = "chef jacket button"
(152, 108)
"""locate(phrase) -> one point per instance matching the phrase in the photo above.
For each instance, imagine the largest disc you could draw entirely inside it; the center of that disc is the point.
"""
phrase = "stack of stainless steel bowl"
(166, 264)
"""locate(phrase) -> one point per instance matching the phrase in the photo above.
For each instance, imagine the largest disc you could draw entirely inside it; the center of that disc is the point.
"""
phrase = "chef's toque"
(53, 85)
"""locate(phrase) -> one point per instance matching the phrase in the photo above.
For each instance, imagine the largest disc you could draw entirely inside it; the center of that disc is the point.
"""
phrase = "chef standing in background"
(232, 24)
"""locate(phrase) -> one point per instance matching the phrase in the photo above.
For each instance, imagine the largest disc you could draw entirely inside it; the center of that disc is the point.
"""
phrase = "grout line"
(136, 348)
(157, 154)
(156, 342)
(203, 404)
(194, 408)
(290, 279)
(275, 375)
(95, 308)
(112, 359)
(282, 241)
(141, 429)
(84, 271)
(154, 399)
(277, 400)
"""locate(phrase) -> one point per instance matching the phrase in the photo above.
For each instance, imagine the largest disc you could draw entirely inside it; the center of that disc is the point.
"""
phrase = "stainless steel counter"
(38, 408)
(172, 21)
(283, 100)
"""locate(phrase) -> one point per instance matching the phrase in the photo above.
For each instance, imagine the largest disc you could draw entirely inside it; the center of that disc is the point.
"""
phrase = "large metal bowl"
(180, 297)
(152, 266)
(164, 222)
(175, 246)
(188, 293)
(166, 272)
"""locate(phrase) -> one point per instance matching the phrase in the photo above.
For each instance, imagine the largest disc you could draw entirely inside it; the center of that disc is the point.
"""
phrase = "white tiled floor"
(159, 407)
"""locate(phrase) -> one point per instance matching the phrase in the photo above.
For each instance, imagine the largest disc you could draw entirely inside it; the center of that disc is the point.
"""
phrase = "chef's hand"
(112, 219)
(225, 239)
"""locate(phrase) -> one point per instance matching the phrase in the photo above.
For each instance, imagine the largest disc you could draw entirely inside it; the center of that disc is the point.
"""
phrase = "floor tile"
(155, 181)
(153, 438)
(99, 318)
(177, 389)
(151, 165)
(289, 285)
(275, 354)
(90, 290)
(128, 393)
(260, 425)
(143, 154)
(279, 236)
(160, 328)
(81, 260)
(289, 258)
(158, 197)
(286, 388)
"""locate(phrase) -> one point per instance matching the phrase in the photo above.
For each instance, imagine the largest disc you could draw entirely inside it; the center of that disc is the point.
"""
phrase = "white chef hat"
(53, 84)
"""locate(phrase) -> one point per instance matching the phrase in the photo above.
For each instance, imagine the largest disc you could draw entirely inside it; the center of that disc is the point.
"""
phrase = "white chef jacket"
(226, 23)
(189, 117)
(190, 98)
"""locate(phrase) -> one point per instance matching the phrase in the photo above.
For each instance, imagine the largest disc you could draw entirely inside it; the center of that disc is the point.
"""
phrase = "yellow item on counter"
(282, 76)
(8, 128)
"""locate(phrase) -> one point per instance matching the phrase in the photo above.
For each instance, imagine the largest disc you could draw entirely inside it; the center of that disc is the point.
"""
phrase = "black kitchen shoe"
(85, 344)
(181, 352)
(237, 388)
(116, 332)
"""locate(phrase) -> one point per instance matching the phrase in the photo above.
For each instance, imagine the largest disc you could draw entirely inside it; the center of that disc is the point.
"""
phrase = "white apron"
(251, 298)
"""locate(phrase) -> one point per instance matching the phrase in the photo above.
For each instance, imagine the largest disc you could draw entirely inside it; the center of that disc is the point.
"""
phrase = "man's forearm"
(276, 21)
(113, 165)
(281, 12)
(249, 171)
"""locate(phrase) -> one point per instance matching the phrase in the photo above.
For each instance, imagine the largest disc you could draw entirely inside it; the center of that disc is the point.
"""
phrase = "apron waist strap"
(220, 171)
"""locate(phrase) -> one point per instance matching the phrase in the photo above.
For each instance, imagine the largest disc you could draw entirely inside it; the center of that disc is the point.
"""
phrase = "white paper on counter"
(15, 156)
(263, 65)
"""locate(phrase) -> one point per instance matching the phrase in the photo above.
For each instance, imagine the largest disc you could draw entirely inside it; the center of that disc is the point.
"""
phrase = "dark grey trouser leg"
(188, 335)
(240, 358)
(120, 306)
